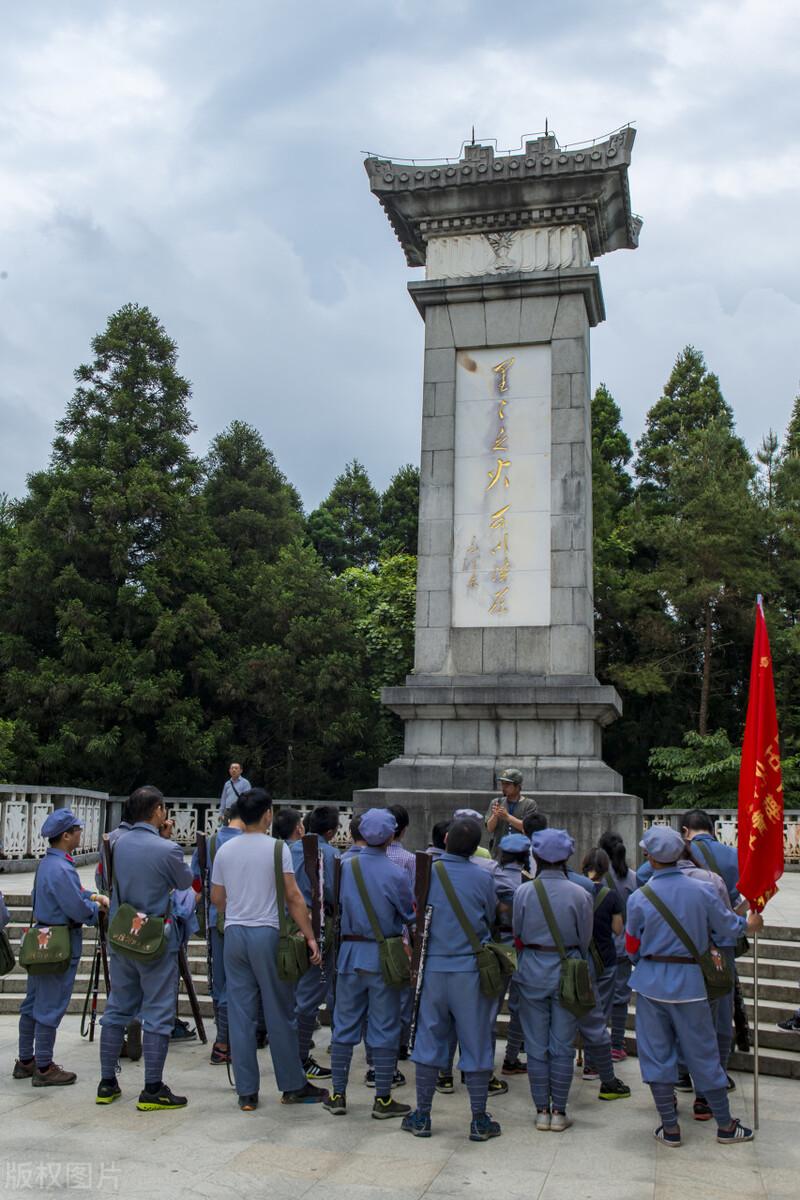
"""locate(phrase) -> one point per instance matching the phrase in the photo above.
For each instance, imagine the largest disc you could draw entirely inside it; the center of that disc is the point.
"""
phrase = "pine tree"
(344, 530)
(399, 519)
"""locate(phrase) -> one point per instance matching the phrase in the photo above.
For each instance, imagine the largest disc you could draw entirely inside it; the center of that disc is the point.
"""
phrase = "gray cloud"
(205, 160)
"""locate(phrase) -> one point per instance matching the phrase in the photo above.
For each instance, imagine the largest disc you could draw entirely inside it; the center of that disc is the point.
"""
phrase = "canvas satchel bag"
(496, 961)
(575, 991)
(717, 974)
(395, 967)
(293, 959)
(45, 949)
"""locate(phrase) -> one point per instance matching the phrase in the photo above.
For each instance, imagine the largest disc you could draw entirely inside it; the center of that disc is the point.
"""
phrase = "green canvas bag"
(293, 959)
(496, 961)
(575, 991)
(717, 974)
(395, 967)
(139, 935)
(45, 949)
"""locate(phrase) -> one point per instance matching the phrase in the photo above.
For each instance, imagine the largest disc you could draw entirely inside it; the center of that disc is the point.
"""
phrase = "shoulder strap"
(671, 920)
(610, 882)
(549, 916)
(711, 862)
(455, 904)
(212, 846)
(280, 890)
(372, 916)
(600, 897)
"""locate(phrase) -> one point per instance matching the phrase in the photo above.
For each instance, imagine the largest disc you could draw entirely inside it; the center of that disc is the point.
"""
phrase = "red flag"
(760, 787)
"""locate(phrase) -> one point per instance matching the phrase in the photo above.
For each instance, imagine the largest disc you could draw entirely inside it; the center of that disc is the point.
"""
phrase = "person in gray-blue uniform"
(5, 915)
(532, 823)
(623, 879)
(362, 994)
(515, 857)
(244, 885)
(146, 869)
(58, 899)
(233, 826)
(312, 987)
(235, 786)
(451, 998)
(673, 1016)
(548, 1027)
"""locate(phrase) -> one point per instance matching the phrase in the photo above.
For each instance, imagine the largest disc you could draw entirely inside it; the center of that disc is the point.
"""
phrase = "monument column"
(504, 648)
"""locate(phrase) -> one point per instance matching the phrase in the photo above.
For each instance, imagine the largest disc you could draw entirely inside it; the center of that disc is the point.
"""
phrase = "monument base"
(586, 815)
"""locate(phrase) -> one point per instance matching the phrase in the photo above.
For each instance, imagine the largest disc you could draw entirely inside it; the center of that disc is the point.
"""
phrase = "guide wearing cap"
(375, 905)
(507, 812)
(58, 900)
(147, 867)
(452, 1005)
(549, 1028)
(671, 922)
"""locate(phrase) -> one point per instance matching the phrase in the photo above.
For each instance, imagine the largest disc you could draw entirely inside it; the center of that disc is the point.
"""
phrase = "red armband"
(632, 943)
(197, 885)
(518, 943)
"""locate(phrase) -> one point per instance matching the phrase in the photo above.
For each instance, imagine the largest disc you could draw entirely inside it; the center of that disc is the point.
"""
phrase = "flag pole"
(755, 1031)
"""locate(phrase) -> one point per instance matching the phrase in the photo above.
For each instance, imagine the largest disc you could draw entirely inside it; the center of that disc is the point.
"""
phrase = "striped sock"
(45, 1041)
(724, 1042)
(305, 1034)
(619, 1017)
(384, 1060)
(514, 1038)
(111, 1039)
(341, 1057)
(426, 1086)
(27, 1029)
(561, 1068)
(664, 1096)
(717, 1099)
(539, 1081)
(222, 1023)
(154, 1051)
(478, 1088)
(598, 1055)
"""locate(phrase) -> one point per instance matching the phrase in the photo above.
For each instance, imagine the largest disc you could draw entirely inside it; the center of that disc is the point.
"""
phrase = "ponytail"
(614, 847)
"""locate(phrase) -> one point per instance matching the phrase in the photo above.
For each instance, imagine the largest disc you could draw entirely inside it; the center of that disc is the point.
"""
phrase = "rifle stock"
(424, 913)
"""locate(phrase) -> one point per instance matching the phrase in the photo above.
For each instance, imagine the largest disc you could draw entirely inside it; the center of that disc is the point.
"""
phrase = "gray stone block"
(533, 650)
(499, 651)
(568, 356)
(560, 459)
(561, 391)
(468, 323)
(581, 462)
(436, 503)
(438, 433)
(561, 532)
(422, 608)
(474, 774)
(429, 398)
(426, 466)
(536, 737)
(567, 425)
(571, 319)
(444, 399)
(580, 395)
(439, 608)
(438, 331)
(503, 322)
(423, 737)
(443, 472)
(557, 774)
(440, 366)
(497, 739)
(567, 493)
(577, 738)
(568, 569)
(579, 539)
(569, 650)
(561, 610)
(460, 738)
(594, 776)
(582, 607)
(431, 646)
(439, 537)
(537, 317)
(467, 651)
(433, 772)
(434, 572)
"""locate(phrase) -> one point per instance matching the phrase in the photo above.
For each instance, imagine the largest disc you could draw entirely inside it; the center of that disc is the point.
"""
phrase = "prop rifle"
(337, 926)
(205, 879)
(740, 1021)
(191, 994)
(422, 931)
(314, 868)
(100, 957)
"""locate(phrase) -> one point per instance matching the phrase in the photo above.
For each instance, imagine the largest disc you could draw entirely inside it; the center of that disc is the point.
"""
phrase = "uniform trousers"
(364, 996)
(667, 1033)
(219, 985)
(251, 970)
(620, 1002)
(46, 1000)
(453, 1006)
(145, 990)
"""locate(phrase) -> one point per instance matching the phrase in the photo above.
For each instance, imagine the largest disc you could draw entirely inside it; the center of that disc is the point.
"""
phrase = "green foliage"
(344, 530)
(397, 528)
(703, 770)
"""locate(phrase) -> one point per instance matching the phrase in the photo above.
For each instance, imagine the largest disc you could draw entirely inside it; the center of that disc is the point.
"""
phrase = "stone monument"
(504, 650)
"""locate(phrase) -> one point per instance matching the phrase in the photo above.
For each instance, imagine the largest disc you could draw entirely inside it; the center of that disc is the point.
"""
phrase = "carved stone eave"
(512, 286)
(595, 702)
(482, 193)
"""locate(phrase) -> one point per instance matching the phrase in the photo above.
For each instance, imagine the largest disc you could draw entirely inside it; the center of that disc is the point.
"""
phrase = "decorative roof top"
(484, 192)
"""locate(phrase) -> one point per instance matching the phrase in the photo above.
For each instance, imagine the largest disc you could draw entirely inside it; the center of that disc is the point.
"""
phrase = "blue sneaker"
(483, 1128)
(417, 1124)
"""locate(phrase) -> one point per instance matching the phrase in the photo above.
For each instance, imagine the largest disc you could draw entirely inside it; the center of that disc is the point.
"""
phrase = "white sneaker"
(543, 1120)
(559, 1122)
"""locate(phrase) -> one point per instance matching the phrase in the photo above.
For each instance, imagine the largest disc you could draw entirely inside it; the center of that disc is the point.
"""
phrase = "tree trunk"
(706, 686)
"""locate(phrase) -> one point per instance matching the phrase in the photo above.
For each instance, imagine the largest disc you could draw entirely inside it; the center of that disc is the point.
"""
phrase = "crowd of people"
(414, 955)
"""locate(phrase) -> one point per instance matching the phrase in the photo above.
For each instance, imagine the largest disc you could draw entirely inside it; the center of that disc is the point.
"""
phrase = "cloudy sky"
(204, 158)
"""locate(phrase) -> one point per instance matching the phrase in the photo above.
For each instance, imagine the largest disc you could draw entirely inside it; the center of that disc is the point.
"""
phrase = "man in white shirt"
(244, 887)
(234, 787)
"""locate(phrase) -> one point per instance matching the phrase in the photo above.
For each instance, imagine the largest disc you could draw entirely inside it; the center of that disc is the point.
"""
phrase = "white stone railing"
(726, 826)
(24, 807)
(201, 813)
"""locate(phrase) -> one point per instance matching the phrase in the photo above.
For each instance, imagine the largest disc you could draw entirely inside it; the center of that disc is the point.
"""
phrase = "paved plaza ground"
(56, 1141)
